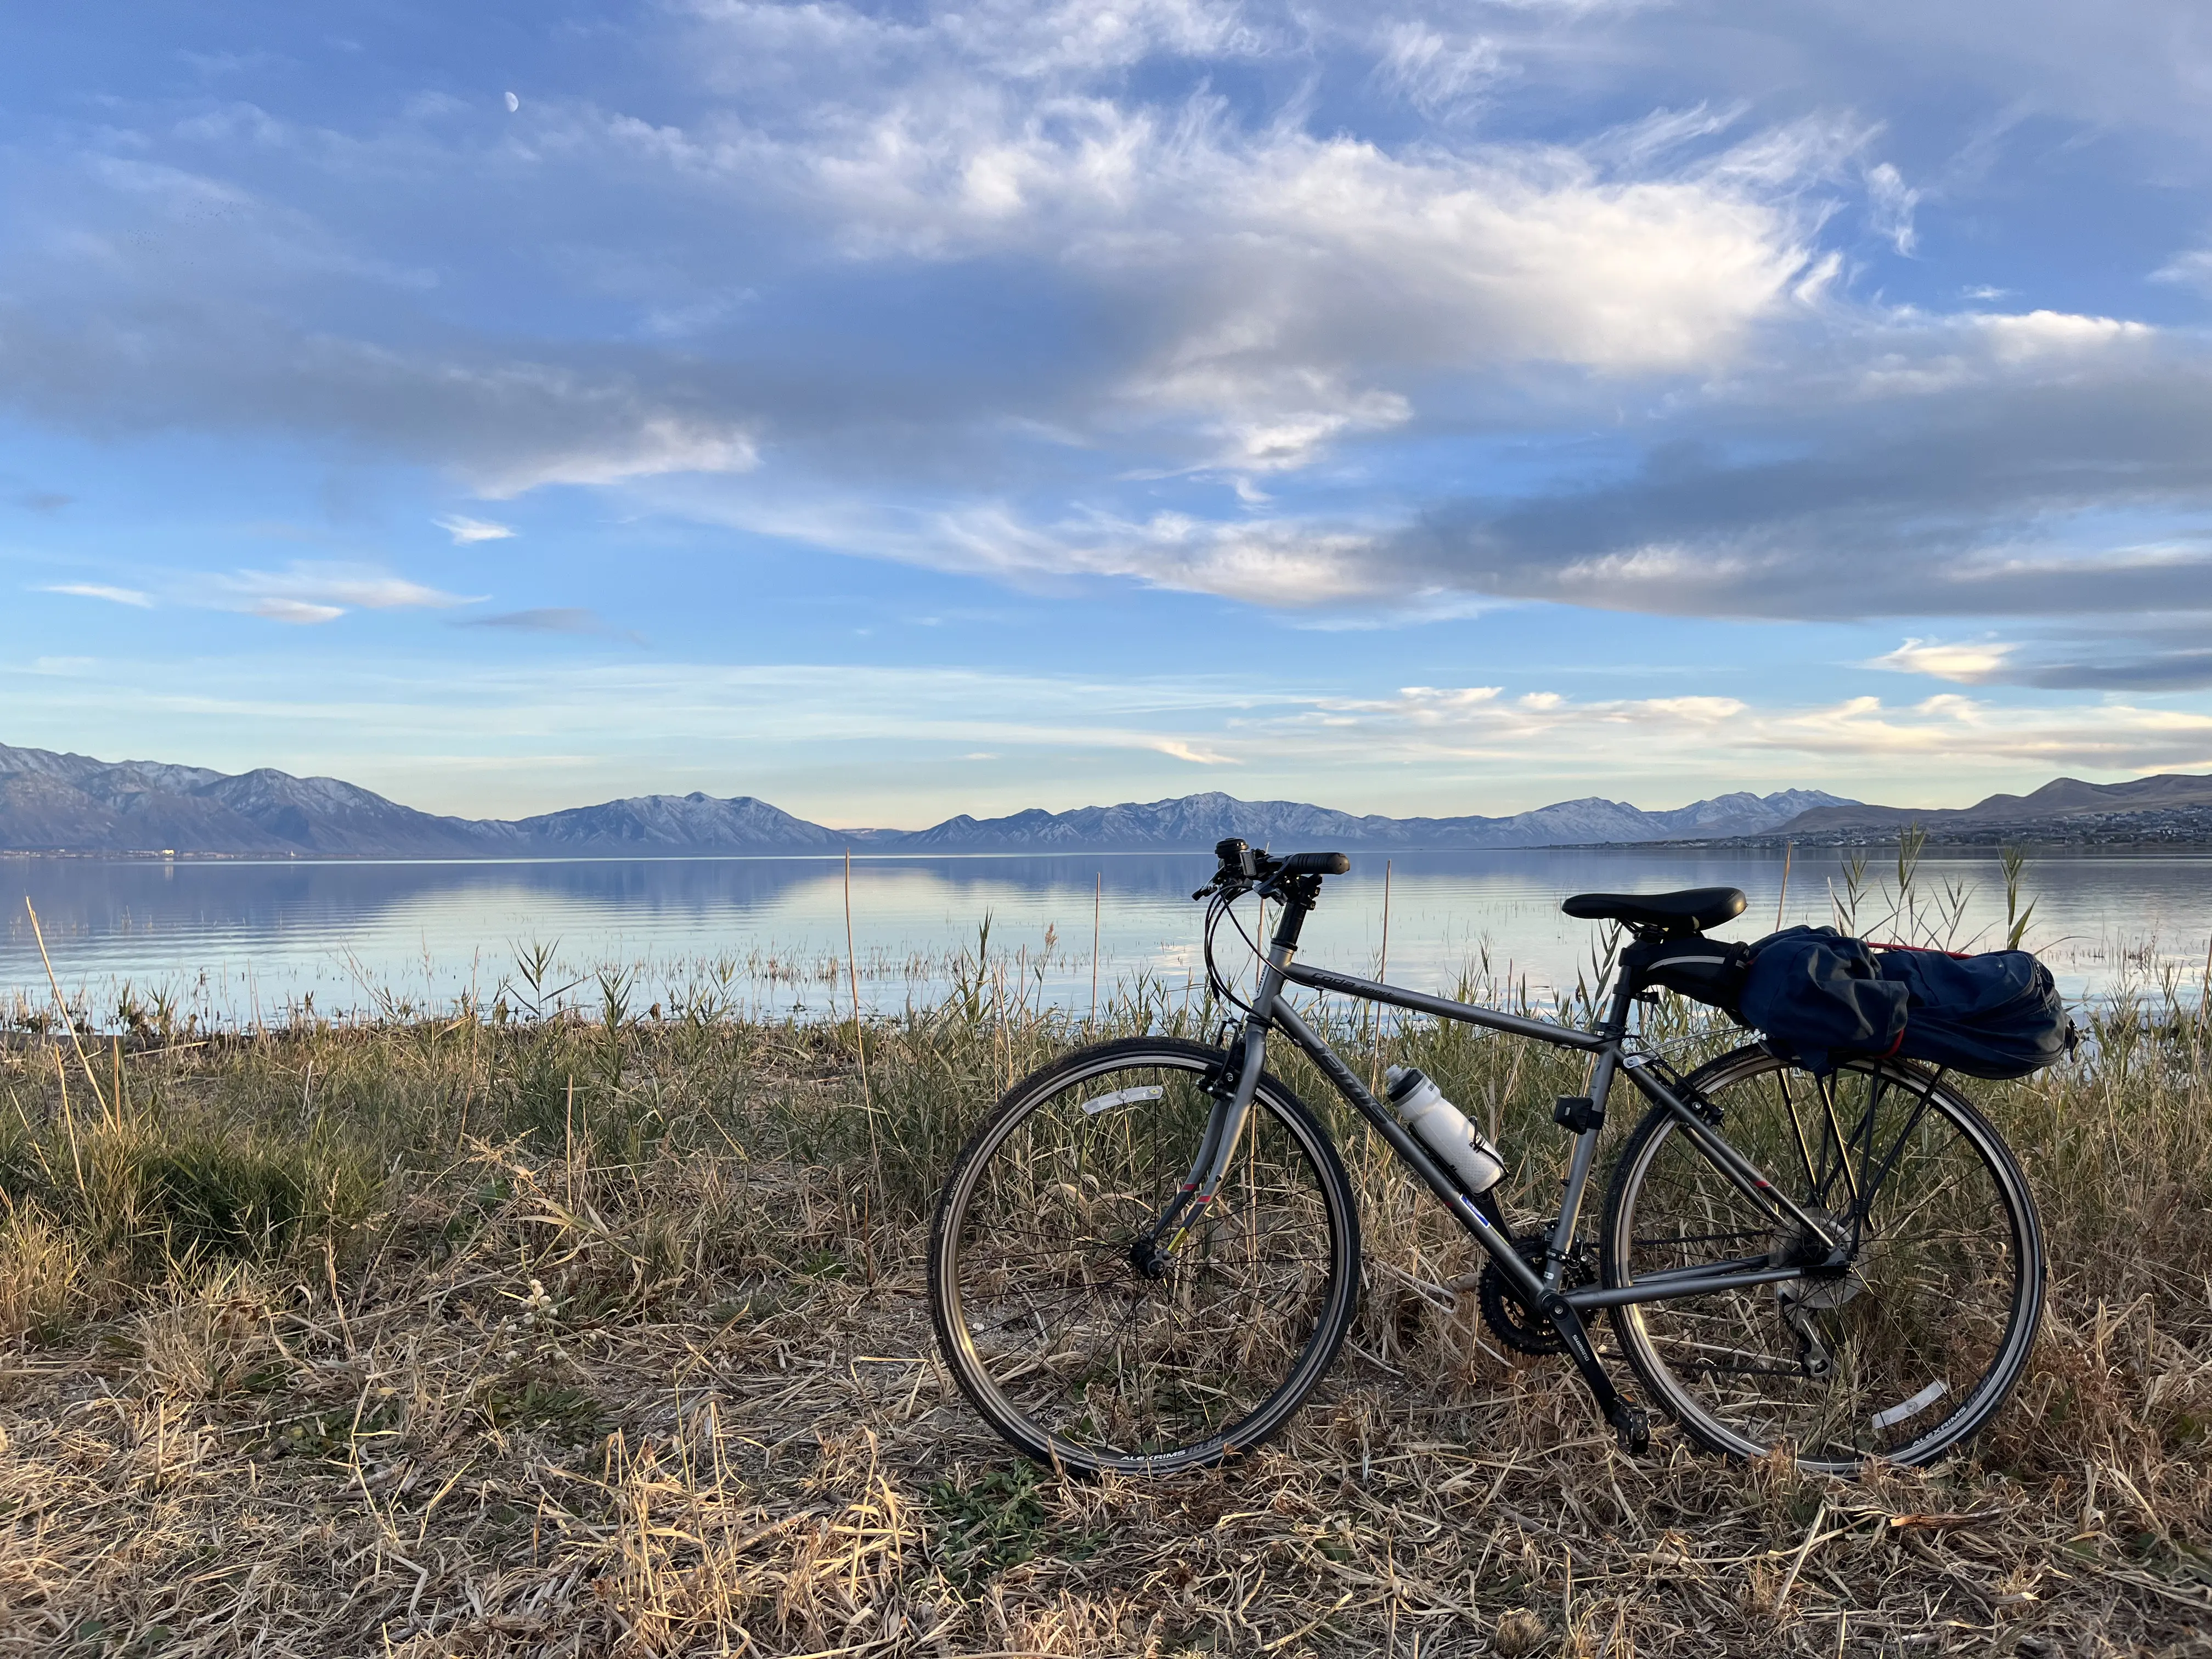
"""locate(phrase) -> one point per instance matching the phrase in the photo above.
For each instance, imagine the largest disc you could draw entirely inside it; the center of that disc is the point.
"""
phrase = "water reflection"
(239, 940)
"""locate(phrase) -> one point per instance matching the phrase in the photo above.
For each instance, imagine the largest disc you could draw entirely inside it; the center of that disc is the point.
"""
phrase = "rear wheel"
(1902, 1354)
(1087, 1338)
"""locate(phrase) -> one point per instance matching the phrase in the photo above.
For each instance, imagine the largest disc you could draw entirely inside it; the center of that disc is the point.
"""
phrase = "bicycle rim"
(1077, 1350)
(1902, 1356)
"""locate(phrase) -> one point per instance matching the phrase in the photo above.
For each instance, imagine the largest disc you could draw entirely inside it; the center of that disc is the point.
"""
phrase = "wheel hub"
(1797, 1246)
(1149, 1260)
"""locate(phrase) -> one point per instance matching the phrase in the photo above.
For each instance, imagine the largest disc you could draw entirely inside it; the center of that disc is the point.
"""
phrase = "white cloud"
(300, 612)
(1482, 723)
(1968, 663)
(1890, 204)
(1723, 735)
(1958, 731)
(745, 42)
(1281, 563)
(1277, 288)
(130, 596)
(1026, 41)
(1162, 244)
(1879, 463)
(1176, 749)
(1455, 748)
(1439, 74)
(650, 447)
(464, 530)
(2193, 269)
(307, 592)
(2041, 335)
(807, 709)
(1282, 252)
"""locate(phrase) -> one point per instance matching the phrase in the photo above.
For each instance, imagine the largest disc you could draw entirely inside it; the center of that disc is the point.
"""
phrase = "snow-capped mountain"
(52, 802)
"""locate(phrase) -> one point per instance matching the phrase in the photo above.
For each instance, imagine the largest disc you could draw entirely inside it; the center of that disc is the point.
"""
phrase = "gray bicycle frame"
(1607, 1043)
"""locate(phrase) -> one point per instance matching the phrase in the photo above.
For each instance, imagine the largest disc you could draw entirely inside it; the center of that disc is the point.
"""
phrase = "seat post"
(1624, 987)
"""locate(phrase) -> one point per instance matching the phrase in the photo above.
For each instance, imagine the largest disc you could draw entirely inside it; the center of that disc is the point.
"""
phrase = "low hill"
(2171, 806)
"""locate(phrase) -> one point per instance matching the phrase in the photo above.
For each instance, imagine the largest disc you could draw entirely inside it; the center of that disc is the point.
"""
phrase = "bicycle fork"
(1224, 1126)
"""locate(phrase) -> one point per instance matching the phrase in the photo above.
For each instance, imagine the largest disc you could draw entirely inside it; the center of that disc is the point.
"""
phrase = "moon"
(513, 103)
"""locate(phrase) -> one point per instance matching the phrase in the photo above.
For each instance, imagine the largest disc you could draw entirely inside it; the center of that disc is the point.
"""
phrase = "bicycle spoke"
(1083, 1336)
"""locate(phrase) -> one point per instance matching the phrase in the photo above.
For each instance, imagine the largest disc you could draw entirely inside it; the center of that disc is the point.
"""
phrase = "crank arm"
(1629, 1422)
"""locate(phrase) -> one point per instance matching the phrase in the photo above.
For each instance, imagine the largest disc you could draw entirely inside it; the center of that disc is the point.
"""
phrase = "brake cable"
(1223, 904)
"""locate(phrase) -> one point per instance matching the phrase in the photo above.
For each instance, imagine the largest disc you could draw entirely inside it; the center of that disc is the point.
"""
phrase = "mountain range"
(67, 803)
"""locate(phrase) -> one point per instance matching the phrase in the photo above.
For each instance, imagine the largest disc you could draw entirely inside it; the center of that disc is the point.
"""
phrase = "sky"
(893, 412)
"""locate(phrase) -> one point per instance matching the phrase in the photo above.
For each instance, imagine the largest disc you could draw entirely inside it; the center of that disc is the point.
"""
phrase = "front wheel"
(1902, 1354)
(1086, 1334)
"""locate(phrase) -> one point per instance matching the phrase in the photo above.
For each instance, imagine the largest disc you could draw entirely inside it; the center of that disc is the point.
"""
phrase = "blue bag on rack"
(1815, 992)
(1997, 1015)
(1818, 994)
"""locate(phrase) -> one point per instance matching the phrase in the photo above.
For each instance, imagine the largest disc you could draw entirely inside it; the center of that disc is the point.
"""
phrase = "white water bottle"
(1444, 1129)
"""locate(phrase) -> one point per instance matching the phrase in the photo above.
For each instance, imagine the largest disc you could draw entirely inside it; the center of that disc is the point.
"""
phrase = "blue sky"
(893, 412)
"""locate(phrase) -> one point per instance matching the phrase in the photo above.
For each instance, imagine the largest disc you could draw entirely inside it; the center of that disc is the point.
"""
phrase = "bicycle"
(1148, 1257)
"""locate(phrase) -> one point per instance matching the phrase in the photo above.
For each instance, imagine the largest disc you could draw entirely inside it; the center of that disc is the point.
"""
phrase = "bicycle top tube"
(1295, 882)
(1372, 990)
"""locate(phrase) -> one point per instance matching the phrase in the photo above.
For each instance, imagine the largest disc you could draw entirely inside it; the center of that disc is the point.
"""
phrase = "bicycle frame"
(1545, 1290)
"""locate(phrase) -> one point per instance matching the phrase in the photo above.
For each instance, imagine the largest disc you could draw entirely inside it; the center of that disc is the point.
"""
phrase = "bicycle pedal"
(1633, 1426)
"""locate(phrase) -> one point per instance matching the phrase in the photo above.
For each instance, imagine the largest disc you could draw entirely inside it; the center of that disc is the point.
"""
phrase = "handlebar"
(1244, 866)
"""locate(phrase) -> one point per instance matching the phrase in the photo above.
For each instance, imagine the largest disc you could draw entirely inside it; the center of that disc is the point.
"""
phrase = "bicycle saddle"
(1690, 910)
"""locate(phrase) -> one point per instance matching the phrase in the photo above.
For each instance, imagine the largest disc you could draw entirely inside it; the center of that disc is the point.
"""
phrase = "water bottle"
(1444, 1129)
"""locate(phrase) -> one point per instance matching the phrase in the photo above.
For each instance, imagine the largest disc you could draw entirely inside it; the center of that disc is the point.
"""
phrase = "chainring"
(1519, 1327)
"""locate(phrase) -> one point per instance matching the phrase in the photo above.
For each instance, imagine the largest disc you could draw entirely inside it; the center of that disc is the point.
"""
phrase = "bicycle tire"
(1068, 1413)
(1954, 1204)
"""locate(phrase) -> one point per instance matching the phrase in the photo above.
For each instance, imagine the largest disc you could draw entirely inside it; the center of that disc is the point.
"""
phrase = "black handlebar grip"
(1316, 863)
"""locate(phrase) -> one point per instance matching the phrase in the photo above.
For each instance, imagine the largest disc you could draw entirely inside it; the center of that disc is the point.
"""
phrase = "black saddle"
(1690, 911)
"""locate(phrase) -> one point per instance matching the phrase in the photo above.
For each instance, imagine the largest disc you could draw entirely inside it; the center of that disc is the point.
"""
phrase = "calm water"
(241, 941)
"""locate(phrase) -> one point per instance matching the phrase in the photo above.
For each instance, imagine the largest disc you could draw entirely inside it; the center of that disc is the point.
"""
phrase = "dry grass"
(476, 1338)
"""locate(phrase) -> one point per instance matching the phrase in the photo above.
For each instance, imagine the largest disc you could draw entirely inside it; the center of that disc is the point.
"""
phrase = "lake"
(240, 941)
